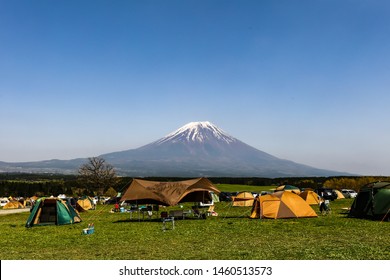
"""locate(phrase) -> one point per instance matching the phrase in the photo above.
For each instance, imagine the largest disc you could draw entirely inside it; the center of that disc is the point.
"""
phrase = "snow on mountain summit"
(197, 149)
(197, 132)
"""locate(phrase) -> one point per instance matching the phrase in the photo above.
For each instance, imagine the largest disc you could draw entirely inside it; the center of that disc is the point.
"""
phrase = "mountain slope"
(202, 149)
(196, 149)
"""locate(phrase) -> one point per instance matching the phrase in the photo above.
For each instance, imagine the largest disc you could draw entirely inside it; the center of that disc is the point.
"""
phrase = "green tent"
(52, 211)
(372, 201)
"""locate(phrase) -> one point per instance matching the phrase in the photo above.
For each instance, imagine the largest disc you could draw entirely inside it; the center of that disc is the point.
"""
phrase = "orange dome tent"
(14, 204)
(310, 197)
(281, 205)
(84, 203)
(243, 199)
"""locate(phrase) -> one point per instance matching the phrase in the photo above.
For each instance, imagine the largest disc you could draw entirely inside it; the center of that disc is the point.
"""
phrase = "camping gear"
(310, 197)
(243, 199)
(211, 211)
(372, 201)
(52, 211)
(89, 230)
(281, 205)
(165, 217)
(198, 213)
(169, 193)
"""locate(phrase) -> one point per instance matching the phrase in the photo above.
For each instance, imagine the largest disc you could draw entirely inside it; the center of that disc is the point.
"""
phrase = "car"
(326, 193)
(3, 201)
(349, 193)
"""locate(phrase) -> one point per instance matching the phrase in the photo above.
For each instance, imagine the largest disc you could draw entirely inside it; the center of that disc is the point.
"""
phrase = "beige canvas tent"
(169, 193)
(281, 205)
(310, 197)
(243, 199)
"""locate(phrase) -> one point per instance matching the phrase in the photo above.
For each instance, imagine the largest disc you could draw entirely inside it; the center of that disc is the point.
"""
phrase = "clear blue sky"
(306, 81)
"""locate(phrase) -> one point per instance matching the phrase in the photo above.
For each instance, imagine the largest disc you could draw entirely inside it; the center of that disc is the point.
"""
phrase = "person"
(324, 206)
(32, 204)
(94, 202)
(116, 207)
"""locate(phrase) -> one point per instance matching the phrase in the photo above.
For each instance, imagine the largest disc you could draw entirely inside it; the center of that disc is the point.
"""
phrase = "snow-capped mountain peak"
(197, 132)
(194, 150)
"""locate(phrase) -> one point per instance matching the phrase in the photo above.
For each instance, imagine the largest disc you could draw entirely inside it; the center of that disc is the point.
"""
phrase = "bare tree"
(97, 175)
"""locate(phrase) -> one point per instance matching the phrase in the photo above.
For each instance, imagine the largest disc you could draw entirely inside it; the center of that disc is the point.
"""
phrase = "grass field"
(229, 236)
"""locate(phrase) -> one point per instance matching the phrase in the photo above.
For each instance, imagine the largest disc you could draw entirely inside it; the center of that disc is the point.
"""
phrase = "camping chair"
(146, 210)
(197, 213)
(166, 218)
(156, 209)
(133, 209)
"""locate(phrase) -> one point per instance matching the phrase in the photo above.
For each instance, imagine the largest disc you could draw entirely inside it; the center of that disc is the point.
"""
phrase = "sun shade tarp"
(169, 193)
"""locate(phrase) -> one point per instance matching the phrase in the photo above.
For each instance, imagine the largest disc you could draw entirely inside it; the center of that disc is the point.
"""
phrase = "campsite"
(229, 235)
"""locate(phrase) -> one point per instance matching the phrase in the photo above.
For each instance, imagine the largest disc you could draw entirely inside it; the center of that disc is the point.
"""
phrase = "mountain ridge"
(195, 149)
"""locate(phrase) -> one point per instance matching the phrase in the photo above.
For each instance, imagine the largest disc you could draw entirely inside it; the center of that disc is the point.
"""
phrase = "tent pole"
(230, 205)
(385, 215)
(261, 210)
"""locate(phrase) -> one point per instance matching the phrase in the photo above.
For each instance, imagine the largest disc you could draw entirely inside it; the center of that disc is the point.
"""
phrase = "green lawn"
(231, 235)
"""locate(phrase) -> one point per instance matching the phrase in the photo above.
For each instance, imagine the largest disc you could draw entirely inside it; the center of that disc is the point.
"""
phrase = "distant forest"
(26, 185)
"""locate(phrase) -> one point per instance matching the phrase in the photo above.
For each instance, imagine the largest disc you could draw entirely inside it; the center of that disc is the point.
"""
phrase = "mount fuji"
(194, 150)
(203, 149)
